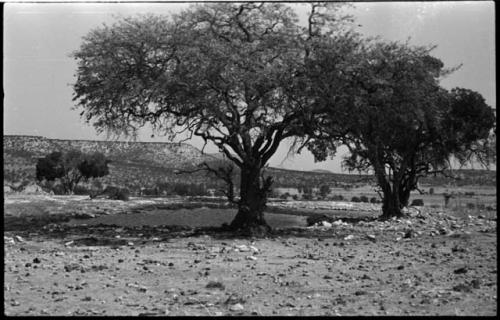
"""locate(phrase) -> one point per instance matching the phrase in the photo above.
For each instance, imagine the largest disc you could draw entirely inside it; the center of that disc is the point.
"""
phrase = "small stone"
(462, 288)
(8, 240)
(242, 248)
(326, 224)
(460, 270)
(476, 283)
(409, 234)
(215, 285)
(36, 260)
(237, 307)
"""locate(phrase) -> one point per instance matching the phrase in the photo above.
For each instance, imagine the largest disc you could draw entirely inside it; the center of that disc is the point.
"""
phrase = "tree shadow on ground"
(54, 228)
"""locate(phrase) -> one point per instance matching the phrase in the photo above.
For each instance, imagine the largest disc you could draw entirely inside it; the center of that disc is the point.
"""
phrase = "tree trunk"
(253, 198)
(391, 206)
(404, 196)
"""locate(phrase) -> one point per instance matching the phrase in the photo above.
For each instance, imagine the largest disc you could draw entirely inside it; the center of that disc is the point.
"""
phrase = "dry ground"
(429, 264)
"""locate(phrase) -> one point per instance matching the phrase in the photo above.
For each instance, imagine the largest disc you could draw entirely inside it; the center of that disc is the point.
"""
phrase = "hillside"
(148, 164)
(133, 163)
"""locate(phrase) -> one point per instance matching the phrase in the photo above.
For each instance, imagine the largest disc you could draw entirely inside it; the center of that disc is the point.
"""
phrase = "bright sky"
(38, 72)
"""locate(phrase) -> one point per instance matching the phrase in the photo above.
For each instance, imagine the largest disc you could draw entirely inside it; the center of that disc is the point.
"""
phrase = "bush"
(470, 194)
(117, 193)
(374, 200)
(188, 189)
(58, 189)
(337, 197)
(295, 197)
(285, 196)
(417, 202)
(363, 199)
(324, 190)
(317, 218)
(431, 191)
(307, 196)
(355, 199)
(81, 190)
(471, 205)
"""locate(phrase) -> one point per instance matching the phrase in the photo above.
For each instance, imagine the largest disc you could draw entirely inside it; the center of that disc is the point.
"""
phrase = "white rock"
(243, 248)
(326, 224)
(18, 239)
(236, 307)
(254, 249)
(349, 237)
(8, 240)
(338, 223)
(251, 258)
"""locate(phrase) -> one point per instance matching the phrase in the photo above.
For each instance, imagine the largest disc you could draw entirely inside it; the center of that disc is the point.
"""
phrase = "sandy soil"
(430, 264)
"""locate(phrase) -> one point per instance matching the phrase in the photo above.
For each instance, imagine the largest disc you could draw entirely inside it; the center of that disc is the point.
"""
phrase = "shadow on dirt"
(54, 227)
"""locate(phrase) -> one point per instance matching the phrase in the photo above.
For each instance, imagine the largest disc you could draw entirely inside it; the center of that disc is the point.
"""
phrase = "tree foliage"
(232, 74)
(71, 167)
(398, 121)
(94, 165)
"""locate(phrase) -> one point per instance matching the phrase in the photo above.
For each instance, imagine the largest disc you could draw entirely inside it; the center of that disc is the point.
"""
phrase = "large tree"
(397, 121)
(232, 74)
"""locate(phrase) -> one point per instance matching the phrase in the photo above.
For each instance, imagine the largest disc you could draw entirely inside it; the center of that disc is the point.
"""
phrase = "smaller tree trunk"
(392, 205)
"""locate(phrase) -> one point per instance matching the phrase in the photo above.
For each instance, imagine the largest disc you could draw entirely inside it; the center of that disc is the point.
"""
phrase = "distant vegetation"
(149, 177)
(69, 168)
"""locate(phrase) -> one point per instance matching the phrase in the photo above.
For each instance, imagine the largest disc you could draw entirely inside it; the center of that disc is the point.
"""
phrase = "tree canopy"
(232, 74)
(398, 121)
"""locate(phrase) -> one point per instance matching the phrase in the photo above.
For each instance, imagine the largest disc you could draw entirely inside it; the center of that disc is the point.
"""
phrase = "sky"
(39, 38)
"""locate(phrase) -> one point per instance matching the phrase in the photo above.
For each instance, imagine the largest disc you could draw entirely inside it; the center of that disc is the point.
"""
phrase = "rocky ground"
(429, 264)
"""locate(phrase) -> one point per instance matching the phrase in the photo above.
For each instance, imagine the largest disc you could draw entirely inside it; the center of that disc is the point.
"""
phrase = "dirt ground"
(429, 264)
